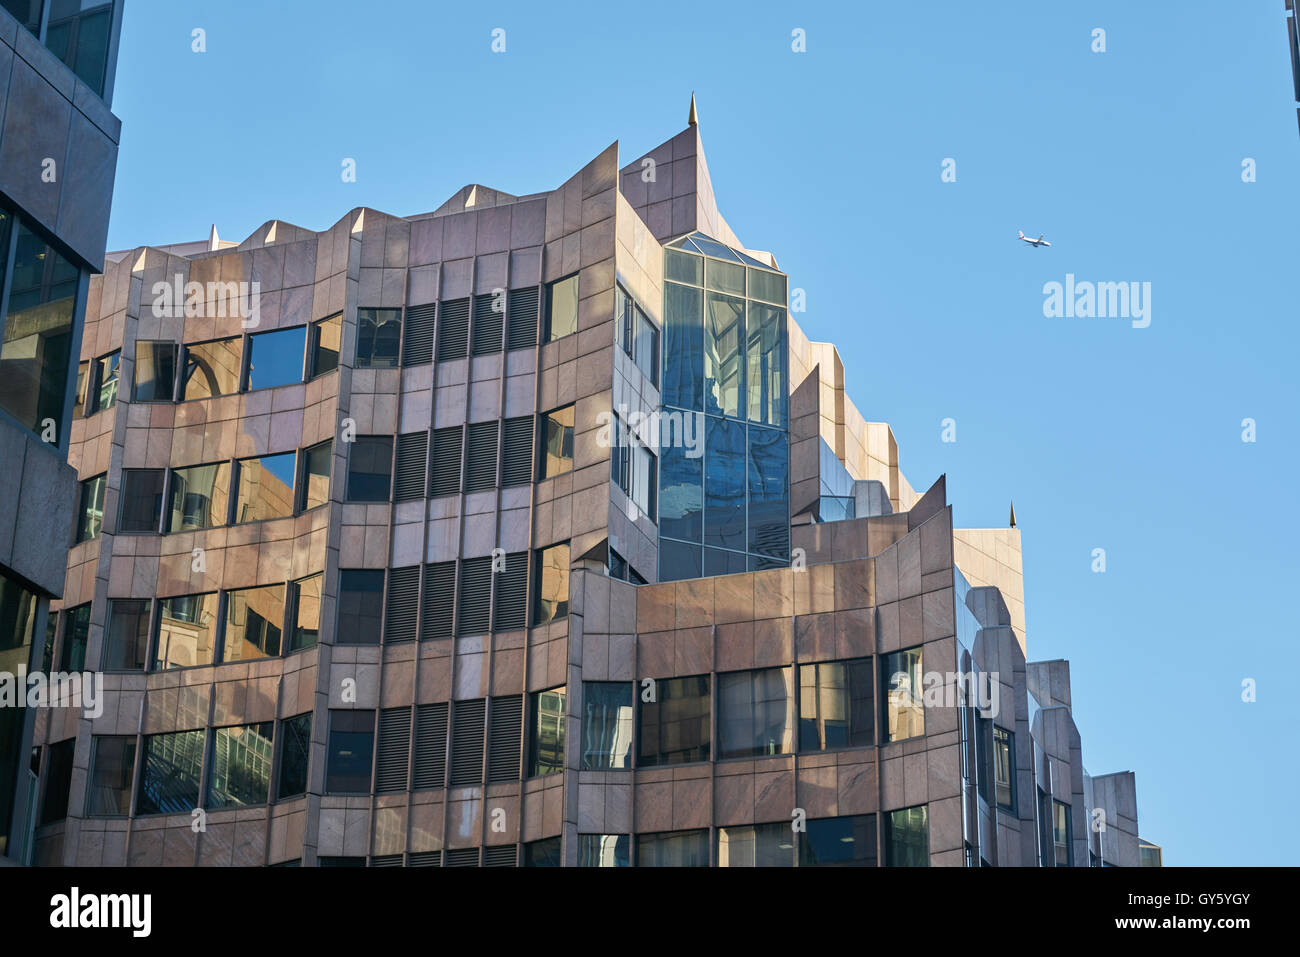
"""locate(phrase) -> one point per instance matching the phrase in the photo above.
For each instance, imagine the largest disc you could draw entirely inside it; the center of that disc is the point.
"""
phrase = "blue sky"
(1129, 161)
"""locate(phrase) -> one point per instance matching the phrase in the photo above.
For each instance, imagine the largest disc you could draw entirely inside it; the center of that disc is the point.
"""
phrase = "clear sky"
(1130, 161)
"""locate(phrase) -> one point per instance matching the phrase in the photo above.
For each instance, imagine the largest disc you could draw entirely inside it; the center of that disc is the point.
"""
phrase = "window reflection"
(604, 850)
(351, 744)
(724, 485)
(557, 442)
(126, 640)
(76, 635)
(265, 488)
(552, 584)
(767, 386)
(546, 752)
(211, 368)
(254, 617)
(79, 37)
(306, 627)
(835, 705)
(170, 769)
(326, 341)
(724, 354)
(756, 845)
(275, 358)
(155, 371)
(907, 838)
(900, 681)
(360, 606)
(673, 849)
(561, 308)
(111, 765)
(106, 376)
(90, 514)
(674, 727)
(379, 336)
(316, 475)
(142, 500)
(295, 744)
(755, 713)
(200, 497)
(370, 468)
(606, 725)
(187, 631)
(240, 772)
(839, 842)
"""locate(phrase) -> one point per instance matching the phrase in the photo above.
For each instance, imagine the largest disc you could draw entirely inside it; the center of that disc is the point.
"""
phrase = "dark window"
(430, 746)
(546, 732)
(142, 500)
(604, 850)
(839, 842)
(1062, 838)
(200, 497)
(475, 602)
(83, 383)
(394, 752)
(634, 469)
(254, 617)
(240, 769)
(467, 719)
(58, 780)
(26, 12)
(552, 584)
(379, 336)
(724, 486)
(620, 568)
(904, 702)
(409, 478)
(212, 368)
(505, 734)
(453, 329)
(90, 513)
(76, 634)
(155, 371)
(489, 318)
(439, 598)
(678, 560)
(370, 468)
(187, 631)
(907, 838)
(673, 721)
(517, 451)
(755, 713)
(419, 327)
(112, 762)
(317, 461)
(561, 308)
(444, 474)
(481, 456)
(681, 513)
(543, 853)
(984, 757)
(836, 708)
(555, 436)
(295, 747)
(769, 499)
(636, 335)
(126, 640)
(522, 314)
(510, 601)
(265, 487)
(607, 722)
(326, 341)
(1004, 768)
(756, 845)
(361, 605)
(170, 769)
(351, 744)
(80, 39)
(673, 849)
(307, 600)
(403, 604)
(275, 358)
(103, 394)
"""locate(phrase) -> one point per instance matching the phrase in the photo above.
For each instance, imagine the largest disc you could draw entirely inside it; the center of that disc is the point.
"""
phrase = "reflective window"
(317, 462)
(58, 780)
(254, 617)
(674, 727)
(677, 560)
(83, 383)
(326, 341)
(370, 468)
(200, 497)
(351, 745)
(907, 837)
(673, 849)
(26, 12)
(295, 745)
(766, 379)
(155, 371)
(552, 578)
(1004, 768)
(265, 488)
(756, 845)
(634, 469)
(543, 853)
(76, 635)
(106, 371)
(683, 267)
(683, 378)
(112, 763)
(170, 770)
(361, 606)
(768, 473)
(557, 442)
(904, 704)
(187, 631)
(839, 842)
(681, 493)
(379, 337)
(142, 499)
(211, 368)
(126, 639)
(755, 713)
(80, 37)
(561, 308)
(240, 772)
(768, 286)
(307, 601)
(275, 358)
(604, 850)
(724, 485)
(90, 513)
(606, 725)
(836, 705)
(1061, 840)
(724, 355)
(636, 335)
(546, 726)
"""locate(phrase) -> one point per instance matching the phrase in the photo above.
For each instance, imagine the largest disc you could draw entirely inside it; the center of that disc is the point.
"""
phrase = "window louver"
(439, 599)
(462, 858)
(467, 743)
(475, 596)
(522, 313)
(444, 474)
(425, 859)
(418, 348)
(403, 601)
(510, 603)
(430, 746)
(488, 322)
(481, 456)
(517, 451)
(502, 856)
(453, 329)
(386, 860)
(394, 750)
(408, 481)
(504, 736)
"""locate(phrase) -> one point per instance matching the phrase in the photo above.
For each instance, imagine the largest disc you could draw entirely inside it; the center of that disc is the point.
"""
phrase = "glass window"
(295, 746)
(677, 560)
(634, 469)
(546, 722)
(1004, 768)
(673, 725)
(767, 389)
(836, 708)
(36, 355)
(26, 12)
(76, 635)
(200, 497)
(265, 488)
(351, 745)
(724, 355)
(155, 371)
(211, 368)
(240, 772)
(90, 513)
(142, 498)
(317, 462)
(275, 358)
(683, 267)
(725, 277)
(326, 341)
(839, 842)
(1061, 842)
(606, 725)
(645, 352)
(604, 850)
(126, 640)
(83, 382)
(900, 680)
(187, 631)
(561, 308)
(557, 442)
(755, 713)
(673, 849)
(683, 381)
(379, 337)
(543, 853)
(170, 769)
(254, 617)
(552, 580)
(769, 500)
(724, 485)
(112, 763)
(756, 845)
(307, 602)
(370, 468)
(768, 286)
(80, 39)
(361, 606)
(58, 780)
(104, 397)
(681, 494)
(907, 838)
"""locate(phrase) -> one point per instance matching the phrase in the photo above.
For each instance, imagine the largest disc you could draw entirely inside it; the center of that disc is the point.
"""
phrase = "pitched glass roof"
(697, 242)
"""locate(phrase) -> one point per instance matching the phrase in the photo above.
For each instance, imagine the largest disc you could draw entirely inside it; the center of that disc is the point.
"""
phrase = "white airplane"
(1040, 241)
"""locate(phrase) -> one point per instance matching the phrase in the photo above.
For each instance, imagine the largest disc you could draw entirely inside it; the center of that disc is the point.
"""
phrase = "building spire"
(692, 120)
(1013, 514)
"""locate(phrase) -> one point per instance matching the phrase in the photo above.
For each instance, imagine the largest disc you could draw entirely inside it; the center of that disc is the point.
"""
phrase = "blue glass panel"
(724, 355)
(767, 359)
(720, 562)
(681, 493)
(275, 358)
(769, 501)
(678, 560)
(683, 382)
(724, 484)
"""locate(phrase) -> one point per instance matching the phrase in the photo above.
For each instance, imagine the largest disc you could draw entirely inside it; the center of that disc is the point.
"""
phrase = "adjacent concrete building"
(58, 155)
(530, 531)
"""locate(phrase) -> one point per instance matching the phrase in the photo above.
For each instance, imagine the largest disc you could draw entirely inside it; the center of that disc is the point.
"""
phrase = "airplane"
(1040, 241)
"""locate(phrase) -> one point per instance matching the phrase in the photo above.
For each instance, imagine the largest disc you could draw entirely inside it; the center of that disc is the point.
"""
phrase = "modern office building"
(529, 531)
(58, 156)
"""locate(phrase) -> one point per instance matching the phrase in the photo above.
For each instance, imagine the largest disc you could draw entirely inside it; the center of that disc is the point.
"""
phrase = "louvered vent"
(386, 860)
(439, 598)
(475, 596)
(522, 313)
(503, 856)
(467, 743)
(511, 606)
(488, 322)
(430, 746)
(481, 456)
(425, 859)
(394, 750)
(418, 348)
(453, 329)
(403, 601)
(504, 736)
(517, 451)
(444, 473)
(408, 483)
(463, 858)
